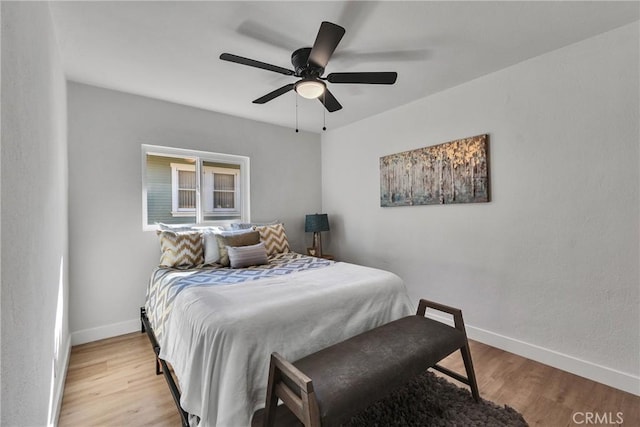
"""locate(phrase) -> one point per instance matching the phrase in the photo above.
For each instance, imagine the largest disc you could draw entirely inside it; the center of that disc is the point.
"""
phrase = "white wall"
(548, 268)
(34, 215)
(111, 257)
(0, 222)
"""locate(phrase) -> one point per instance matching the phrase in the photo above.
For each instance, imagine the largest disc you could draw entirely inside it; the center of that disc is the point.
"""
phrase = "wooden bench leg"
(271, 402)
(471, 375)
(301, 402)
(470, 379)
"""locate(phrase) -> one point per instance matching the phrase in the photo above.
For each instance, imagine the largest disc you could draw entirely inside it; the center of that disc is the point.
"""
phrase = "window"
(220, 190)
(193, 187)
(183, 188)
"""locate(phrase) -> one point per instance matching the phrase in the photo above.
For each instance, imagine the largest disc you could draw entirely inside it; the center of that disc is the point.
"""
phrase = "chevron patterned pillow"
(274, 238)
(181, 249)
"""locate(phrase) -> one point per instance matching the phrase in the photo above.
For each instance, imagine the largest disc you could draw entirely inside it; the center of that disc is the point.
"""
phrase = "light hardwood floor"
(113, 383)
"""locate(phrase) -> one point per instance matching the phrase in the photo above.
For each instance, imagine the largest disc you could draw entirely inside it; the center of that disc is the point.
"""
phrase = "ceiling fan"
(309, 64)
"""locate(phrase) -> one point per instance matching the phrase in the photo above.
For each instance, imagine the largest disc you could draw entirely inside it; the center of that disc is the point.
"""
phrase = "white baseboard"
(107, 331)
(602, 374)
(59, 386)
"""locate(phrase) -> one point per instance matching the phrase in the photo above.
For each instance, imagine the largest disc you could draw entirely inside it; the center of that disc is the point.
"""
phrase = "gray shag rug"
(430, 400)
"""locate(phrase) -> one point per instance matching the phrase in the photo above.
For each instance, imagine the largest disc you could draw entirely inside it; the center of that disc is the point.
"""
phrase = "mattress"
(217, 327)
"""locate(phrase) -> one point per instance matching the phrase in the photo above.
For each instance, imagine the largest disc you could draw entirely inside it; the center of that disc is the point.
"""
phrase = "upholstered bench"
(326, 388)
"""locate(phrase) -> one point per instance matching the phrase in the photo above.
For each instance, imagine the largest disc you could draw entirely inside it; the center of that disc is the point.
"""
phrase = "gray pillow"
(245, 256)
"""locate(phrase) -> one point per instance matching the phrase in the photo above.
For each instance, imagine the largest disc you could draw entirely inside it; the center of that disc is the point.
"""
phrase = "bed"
(216, 326)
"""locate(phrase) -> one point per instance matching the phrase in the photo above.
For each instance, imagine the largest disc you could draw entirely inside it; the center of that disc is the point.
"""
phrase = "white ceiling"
(170, 50)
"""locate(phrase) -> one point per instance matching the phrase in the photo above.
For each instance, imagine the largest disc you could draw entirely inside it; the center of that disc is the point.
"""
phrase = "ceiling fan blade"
(374, 78)
(253, 63)
(329, 35)
(329, 101)
(276, 93)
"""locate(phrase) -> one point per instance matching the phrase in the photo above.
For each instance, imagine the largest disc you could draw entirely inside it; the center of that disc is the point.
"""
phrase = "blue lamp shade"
(316, 222)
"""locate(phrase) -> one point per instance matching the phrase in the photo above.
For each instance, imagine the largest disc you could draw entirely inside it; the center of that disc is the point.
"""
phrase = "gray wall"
(548, 268)
(33, 217)
(111, 257)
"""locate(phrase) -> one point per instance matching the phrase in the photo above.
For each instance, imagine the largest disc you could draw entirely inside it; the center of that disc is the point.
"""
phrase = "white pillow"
(236, 232)
(210, 244)
(203, 228)
(174, 227)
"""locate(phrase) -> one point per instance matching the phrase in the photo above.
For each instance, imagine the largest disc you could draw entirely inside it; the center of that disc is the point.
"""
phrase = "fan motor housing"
(300, 61)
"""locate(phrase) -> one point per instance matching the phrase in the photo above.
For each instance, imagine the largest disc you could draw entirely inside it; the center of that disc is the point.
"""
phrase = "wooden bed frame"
(162, 367)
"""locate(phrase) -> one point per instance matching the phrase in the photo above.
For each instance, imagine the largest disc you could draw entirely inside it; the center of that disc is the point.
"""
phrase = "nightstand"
(312, 252)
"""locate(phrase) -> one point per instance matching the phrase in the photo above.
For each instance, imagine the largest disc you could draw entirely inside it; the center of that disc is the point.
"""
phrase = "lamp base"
(317, 243)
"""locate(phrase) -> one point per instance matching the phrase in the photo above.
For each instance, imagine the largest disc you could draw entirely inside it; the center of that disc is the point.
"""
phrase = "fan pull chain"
(324, 110)
(296, 112)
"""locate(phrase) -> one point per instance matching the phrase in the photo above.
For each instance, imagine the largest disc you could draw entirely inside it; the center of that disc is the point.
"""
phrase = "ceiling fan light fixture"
(310, 88)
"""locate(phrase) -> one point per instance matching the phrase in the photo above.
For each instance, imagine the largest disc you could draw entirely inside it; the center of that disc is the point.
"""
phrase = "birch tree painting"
(453, 172)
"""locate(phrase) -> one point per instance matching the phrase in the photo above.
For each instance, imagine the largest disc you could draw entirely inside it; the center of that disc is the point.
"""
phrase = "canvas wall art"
(453, 172)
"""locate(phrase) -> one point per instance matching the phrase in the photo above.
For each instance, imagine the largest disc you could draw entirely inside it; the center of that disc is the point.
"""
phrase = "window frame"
(199, 157)
(236, 192)
(176, 210)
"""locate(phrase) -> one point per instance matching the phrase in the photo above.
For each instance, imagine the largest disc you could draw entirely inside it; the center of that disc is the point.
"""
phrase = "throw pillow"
(180, 249)
(246, 256)
(274, 238)
(210, 244)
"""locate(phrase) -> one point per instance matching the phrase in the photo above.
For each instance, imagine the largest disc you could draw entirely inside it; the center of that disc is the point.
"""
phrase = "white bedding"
(218, 339)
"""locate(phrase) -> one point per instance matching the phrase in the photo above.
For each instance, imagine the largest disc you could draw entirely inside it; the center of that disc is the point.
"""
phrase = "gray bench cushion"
(351, 375)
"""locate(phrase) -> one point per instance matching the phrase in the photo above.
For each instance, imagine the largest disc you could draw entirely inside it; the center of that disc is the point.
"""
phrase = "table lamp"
(316, 224)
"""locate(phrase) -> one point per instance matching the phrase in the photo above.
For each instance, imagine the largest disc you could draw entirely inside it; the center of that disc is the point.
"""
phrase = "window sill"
(184, 213)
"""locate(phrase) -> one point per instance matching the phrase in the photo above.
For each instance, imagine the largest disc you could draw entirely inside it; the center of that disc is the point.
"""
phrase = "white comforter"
(219, 338)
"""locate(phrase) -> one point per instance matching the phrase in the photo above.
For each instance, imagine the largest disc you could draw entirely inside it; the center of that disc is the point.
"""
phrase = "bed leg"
(143, 312)
(161, 366)
(175, 392)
